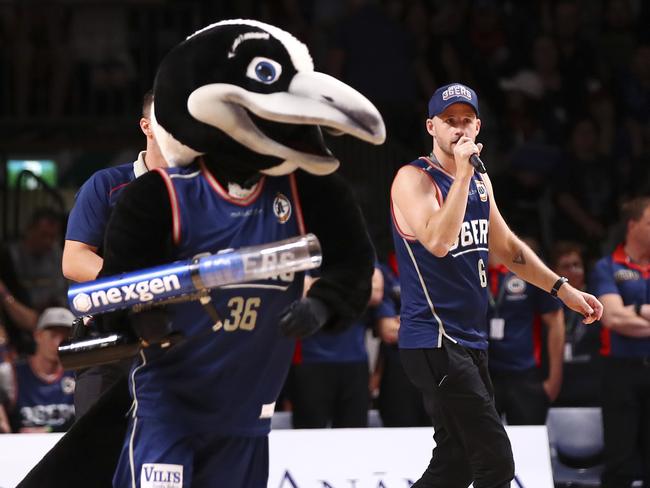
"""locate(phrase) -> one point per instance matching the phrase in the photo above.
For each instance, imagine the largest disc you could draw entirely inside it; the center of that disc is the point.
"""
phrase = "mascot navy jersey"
(239, 369)
(446, 296)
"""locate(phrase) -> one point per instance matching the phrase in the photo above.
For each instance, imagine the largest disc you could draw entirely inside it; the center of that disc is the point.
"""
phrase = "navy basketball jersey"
(40, 403)
(225, 382)
(446, 296)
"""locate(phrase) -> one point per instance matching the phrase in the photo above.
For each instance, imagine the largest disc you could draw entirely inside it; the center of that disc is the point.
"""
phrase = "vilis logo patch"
(156, 475)
(282, 208)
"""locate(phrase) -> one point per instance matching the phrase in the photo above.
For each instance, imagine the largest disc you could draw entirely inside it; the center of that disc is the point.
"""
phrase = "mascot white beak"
(255, 84)
(313, 98)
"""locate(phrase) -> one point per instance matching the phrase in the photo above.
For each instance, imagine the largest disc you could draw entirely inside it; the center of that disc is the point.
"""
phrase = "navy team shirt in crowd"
(513, 320)
(446, 296)
(96, 199)
(348, 346)
(618, 274)
(224, 382)
(44, 404)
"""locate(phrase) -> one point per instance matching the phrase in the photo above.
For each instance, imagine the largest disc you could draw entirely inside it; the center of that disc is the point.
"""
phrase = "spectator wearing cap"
(45, 392)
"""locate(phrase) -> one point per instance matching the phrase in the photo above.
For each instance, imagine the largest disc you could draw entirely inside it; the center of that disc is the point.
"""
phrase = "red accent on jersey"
(605, 342)
(537, 339)
(620, 256)
(173, 200)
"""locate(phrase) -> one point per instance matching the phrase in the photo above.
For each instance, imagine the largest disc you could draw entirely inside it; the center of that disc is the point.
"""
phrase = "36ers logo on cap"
(457, 91)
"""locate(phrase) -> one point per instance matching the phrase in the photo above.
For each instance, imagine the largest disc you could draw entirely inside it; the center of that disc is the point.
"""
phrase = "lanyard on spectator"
(495, 304)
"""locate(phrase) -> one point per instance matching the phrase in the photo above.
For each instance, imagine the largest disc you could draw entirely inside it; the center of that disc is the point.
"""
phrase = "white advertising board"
(341, 458)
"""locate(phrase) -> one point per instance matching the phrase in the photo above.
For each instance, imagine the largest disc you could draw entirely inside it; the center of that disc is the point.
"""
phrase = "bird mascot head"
(245, 95)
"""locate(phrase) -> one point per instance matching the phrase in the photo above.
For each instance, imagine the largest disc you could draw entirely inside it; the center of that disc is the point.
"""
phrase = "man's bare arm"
(80, 261)
(554, 321)
(414, 199)
(522, 261)
(623, 319)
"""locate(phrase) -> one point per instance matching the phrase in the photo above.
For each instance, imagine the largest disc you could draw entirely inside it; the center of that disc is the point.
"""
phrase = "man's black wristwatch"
(557, 285)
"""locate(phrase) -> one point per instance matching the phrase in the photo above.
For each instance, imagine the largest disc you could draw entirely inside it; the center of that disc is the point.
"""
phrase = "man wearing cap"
(445, 221)
(45, 399)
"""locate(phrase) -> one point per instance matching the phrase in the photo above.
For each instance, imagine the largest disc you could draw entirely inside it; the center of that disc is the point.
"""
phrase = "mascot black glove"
(151, 325)
(304, 317)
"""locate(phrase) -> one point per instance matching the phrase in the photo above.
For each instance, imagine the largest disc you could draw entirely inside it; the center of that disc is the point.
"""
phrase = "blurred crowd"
(564, 89)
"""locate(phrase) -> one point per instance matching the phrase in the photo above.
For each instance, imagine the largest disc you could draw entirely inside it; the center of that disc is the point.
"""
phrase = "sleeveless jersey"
(225, 382)
(446, 296)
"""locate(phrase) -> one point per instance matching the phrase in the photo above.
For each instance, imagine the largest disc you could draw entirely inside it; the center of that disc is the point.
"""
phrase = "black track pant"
(471, 443)
(93, 382)
(333, 394)
(626, 421)
(521, 397)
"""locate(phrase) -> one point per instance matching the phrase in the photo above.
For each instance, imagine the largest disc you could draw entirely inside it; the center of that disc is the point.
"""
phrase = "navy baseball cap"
(447, 95)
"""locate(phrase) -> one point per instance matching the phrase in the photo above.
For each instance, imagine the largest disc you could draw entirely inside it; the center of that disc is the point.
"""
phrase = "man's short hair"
(634, 209)
(147, 101)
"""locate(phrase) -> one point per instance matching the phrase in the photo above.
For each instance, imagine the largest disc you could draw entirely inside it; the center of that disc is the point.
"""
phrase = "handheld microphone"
(476, 162)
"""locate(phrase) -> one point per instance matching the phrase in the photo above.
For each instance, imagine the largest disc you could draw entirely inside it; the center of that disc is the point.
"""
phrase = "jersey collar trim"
(139, 166)
(620, 256)
(223, 193)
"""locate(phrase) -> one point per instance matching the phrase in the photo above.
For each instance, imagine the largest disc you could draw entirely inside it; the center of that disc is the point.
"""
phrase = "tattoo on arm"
(519, 258)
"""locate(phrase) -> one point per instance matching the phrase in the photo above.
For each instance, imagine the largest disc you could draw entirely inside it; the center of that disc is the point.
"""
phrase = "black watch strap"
(557, 285)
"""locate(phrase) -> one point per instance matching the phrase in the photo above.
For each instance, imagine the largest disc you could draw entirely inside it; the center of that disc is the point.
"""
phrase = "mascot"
(239, 113)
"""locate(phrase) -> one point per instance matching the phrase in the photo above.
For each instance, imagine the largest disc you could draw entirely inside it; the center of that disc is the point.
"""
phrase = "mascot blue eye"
(264, 70)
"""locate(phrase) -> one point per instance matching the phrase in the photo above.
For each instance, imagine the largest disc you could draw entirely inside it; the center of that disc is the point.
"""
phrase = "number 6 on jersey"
(481, 273)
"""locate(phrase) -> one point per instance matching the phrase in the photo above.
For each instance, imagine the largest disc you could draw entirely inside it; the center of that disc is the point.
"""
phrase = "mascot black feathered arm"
(241, 99)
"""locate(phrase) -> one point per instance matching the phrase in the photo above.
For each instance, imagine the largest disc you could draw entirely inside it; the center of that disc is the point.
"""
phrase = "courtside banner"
(385, 458)
(341, 458)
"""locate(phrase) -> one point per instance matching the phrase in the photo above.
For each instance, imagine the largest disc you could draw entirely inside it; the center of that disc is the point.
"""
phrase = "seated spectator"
(45, 398)
(36, 260)
(581, 383)
(20, 319)
(30, 270)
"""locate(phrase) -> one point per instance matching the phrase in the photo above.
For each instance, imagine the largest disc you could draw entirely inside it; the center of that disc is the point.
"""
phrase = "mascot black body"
(242, 97)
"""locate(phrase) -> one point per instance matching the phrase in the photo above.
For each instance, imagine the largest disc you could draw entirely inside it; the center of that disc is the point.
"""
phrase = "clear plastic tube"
(151, 285)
